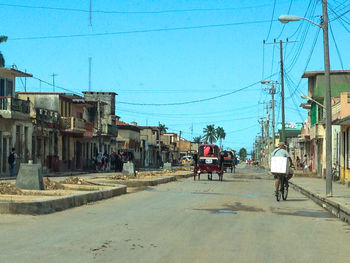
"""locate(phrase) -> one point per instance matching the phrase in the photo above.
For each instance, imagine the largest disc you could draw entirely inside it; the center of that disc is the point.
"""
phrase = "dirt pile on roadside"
(52, 185)
(122, 177)
(74, 180)
(9, 189)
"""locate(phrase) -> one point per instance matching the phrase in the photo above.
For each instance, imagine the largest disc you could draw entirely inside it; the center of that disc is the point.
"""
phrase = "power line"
(189, 102)
(273, 13)
(307, 62)
(135, 12)
(289, 8)
(336, 46)
(141, 31)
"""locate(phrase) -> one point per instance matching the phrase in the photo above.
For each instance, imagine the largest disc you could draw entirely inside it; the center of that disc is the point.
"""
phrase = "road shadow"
(233, 209)
(303, 213)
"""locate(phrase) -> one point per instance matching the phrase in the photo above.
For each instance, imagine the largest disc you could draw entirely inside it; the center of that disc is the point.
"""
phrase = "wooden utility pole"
(282, 137)
(283, 134)
(327, 100)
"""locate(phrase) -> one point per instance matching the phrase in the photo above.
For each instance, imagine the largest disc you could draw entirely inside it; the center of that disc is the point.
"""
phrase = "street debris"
(74, 180)
(9, 189)
(52, 185)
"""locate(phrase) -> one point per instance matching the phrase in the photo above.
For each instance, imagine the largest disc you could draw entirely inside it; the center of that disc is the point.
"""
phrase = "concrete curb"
(140, 183)
(336, 209)
(180, 176)
(59, 204)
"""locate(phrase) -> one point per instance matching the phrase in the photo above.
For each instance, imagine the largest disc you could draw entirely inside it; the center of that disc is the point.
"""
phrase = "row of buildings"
(65, 132)
(307, 140)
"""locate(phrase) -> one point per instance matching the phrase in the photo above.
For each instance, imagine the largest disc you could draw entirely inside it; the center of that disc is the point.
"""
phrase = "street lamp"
(327, 98)
(305, 97)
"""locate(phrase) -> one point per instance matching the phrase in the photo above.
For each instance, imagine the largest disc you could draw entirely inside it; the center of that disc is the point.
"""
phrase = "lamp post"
(327, 98)
(303, 96)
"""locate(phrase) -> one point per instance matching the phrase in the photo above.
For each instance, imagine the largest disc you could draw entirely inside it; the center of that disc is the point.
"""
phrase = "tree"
(2, 60)
(162, 128)
(242, 154)
(209, 134)
(198, 139)
(220, 134)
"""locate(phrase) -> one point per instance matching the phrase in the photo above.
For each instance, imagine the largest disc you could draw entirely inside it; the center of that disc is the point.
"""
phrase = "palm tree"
(162, 128)
(197, 139)
(209, 134)
(220, 134)
(2, 60)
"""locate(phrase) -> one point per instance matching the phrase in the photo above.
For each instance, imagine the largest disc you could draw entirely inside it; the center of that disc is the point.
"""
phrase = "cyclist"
(281, 151)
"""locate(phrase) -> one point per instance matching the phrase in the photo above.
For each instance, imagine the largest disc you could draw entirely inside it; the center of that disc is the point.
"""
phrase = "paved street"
(237, 220)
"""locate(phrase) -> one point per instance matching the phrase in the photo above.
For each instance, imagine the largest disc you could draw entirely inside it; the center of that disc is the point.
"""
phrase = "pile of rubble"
(74, 180)
(121, 177)
(9, 189)
(52, 185)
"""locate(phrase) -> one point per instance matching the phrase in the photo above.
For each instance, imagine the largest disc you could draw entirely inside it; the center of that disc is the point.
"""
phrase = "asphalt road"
(237, 220)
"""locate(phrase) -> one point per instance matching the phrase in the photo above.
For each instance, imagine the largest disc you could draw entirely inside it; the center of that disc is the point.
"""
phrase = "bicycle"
(282, 188)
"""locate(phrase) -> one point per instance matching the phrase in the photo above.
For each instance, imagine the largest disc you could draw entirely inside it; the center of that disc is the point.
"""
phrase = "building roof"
(126, 126)
(308, 74)
(149, 127)
(15, 72)
(100, 92)
(344, 121)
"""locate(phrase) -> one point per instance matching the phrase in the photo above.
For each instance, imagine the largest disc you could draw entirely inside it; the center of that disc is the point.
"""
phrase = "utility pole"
(267, 121)
(282, 95)
(283, 132)
(25, 82)
(273, 92)
(327, 100)
(99, 125)
(53, 81)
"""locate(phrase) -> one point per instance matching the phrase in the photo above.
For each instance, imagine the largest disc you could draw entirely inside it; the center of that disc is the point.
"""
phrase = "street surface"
(237, 220)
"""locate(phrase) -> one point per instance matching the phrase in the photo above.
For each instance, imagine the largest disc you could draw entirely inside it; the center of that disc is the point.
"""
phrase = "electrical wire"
(289, 8)
(134, 12)
(336, 47)
(307, 62)
(273, 13)
(140, 31)
(190, 102)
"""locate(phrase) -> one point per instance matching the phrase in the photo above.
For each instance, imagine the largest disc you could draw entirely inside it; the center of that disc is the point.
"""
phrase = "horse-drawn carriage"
(230, 160)
(209, 160)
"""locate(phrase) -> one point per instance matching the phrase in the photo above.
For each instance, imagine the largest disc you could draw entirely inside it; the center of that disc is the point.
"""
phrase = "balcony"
(13, 108)
(73, 124)
(317, 131)
(109, 129)
(47, 117)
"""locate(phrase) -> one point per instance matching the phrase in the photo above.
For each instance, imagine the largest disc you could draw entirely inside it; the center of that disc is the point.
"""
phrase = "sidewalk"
(315, 189)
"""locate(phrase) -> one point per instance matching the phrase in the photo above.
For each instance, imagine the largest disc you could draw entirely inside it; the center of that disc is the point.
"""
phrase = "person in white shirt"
(281, 151)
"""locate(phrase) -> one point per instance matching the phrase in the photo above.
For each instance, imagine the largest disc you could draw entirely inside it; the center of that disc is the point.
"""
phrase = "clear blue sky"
(174, 66)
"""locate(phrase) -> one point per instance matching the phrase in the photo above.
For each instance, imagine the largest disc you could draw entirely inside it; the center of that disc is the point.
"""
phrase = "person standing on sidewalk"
(282, 151)
(12, 161)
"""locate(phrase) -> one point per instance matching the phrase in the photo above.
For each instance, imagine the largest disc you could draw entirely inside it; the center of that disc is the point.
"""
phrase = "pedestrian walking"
(305, 165)
(12, 161)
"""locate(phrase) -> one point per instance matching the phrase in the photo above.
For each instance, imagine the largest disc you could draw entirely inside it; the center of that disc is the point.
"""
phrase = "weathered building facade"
(15, 122)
